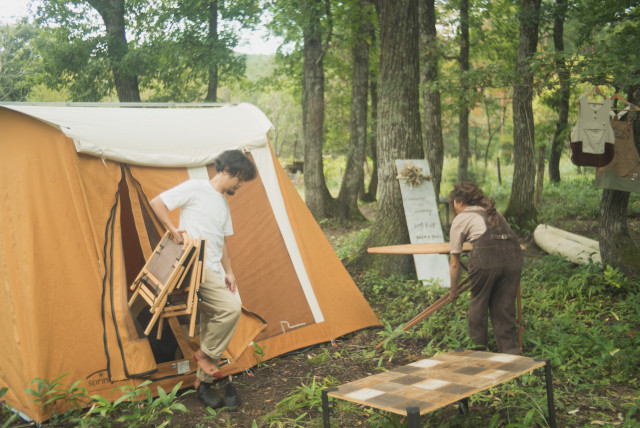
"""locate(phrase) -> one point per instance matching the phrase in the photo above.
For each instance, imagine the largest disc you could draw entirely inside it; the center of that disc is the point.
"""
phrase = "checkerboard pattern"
(435, 382)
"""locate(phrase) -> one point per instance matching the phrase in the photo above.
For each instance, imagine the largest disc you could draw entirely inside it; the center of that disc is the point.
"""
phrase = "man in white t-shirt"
(204, 213)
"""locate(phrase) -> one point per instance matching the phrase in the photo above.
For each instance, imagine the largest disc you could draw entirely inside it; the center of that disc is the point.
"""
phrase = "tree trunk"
(540, 176)
(126, 81)
(616, 247)
(212, 42)
(563, 92)
(463, 115)
(352, 181)
(432, 116)
(316, 193)
(399, 135)
(521, 205)
(372, 190)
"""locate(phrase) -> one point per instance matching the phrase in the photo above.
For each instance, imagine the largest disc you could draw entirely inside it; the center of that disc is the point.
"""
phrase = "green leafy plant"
(6, 412)
(259, 352)
(139, 408)
(50, 393)
(302, 399)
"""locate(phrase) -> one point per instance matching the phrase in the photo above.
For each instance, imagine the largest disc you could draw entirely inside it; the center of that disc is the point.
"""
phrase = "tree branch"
(327, 5)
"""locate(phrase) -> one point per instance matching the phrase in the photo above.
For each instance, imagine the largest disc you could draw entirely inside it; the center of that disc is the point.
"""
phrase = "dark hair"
(237, 164)
(470, 194)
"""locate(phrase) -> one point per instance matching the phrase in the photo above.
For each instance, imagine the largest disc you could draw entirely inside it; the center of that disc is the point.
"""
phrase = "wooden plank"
(433, 248)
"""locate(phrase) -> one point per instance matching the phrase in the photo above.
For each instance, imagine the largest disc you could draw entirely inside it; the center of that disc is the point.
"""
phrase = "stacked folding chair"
(169, 282)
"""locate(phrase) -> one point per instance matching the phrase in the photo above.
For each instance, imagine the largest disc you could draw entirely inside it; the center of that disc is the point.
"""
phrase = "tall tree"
(432, 115)
(317, 196)
(352, 180)
(372, 190)
(564, 91)
(193, 42)
(463, 112)
(86, 49)
(125, 79)
(521, 202)
(399, 134)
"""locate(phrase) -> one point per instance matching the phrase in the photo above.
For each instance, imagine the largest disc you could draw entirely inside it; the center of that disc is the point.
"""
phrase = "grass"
(584, 319)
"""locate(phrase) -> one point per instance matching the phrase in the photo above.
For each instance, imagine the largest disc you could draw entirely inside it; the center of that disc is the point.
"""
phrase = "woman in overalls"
(495, 265)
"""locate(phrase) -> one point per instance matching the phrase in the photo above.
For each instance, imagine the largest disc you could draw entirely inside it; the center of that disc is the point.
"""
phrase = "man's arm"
(162, 212)
(229, 278)
(454, 273)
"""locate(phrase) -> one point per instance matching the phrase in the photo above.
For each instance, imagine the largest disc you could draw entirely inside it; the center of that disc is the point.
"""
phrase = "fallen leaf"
(573, 412)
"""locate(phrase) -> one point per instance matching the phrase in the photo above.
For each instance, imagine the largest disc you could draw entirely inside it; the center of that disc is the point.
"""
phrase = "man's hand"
(230, 282)
(177, 236)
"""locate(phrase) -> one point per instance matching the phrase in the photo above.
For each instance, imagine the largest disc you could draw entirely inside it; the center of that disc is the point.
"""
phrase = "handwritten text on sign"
(423, 222)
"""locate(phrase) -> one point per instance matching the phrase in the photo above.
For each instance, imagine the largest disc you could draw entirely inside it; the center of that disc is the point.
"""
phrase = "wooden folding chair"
(186, 301)
(167, 267)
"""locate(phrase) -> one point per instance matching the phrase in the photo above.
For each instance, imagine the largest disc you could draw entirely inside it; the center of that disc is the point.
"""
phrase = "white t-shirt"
(204, 213)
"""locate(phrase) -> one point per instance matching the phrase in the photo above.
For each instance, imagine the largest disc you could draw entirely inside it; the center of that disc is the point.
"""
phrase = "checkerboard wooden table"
(427, 385)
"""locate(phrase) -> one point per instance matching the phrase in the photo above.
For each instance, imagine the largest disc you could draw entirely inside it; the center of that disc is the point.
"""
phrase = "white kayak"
(575, 248)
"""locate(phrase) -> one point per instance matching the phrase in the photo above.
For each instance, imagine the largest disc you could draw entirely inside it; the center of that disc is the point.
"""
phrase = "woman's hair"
(470, 194)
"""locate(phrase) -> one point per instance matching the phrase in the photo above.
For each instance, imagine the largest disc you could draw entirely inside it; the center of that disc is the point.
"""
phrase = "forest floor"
(263, 387)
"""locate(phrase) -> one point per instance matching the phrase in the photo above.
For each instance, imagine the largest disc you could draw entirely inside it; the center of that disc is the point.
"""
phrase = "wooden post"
(540, 176)
(499, 176)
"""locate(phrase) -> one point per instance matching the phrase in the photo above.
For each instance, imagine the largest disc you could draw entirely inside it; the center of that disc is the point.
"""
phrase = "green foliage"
(5, 413)
(347, 246)
(301, 400)
(50, 393)
(259, 352)
(139, 408)
(19, 63)
(135, 407)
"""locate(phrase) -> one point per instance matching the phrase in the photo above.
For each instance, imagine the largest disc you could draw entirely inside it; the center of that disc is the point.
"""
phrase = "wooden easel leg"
(520, 326)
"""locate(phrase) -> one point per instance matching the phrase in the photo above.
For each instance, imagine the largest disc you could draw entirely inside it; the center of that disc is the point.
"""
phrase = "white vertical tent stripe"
(264, 161)
(198, 173)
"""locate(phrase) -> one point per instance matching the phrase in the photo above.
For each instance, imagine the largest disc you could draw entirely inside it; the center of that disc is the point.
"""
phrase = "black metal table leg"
(550, 402)
(413, 414)
(463, 406)
(548, 376)
(325, 406)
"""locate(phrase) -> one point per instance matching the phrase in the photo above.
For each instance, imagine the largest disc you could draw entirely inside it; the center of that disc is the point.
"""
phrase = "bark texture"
(563, 93)
(212, 42)
(372, 190)
(316, 193)
(399, 135)
(463, 115)
(432, 115)
(126, 80)
(521, 203)
(352, 181)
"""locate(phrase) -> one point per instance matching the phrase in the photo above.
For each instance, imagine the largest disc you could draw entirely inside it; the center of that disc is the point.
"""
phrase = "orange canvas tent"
(76, 228)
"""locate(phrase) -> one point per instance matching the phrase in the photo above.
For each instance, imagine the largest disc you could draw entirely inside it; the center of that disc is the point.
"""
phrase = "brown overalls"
(495, 266)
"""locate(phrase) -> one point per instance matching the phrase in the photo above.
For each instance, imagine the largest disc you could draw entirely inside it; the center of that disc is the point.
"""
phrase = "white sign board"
(423, 221)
